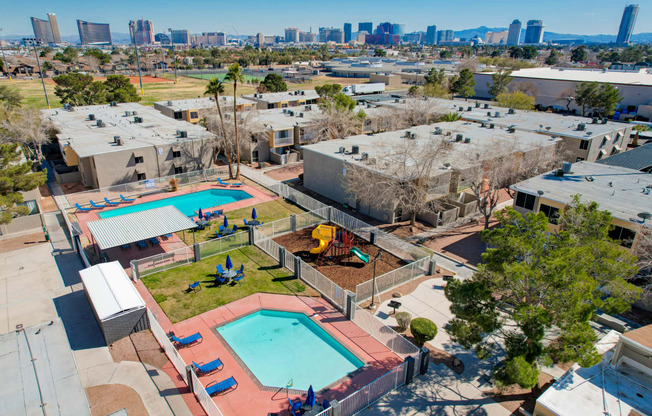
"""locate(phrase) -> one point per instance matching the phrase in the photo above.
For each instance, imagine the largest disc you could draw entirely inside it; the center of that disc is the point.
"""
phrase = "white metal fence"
(373, 391)
(297, 197)
(204, 398)
(223, 244)
(383, 333)
(331, 291)
(391, 279)
(169, 349)
(160, 262)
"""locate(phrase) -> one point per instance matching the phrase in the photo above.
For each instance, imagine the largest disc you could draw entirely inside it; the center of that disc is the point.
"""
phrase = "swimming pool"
(280, 346)
(187, 203)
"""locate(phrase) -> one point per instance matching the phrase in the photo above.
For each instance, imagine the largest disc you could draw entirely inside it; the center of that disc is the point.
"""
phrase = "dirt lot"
(286, 172)
(346, 274)
(110, 398)
(141, 346)
(23, 241)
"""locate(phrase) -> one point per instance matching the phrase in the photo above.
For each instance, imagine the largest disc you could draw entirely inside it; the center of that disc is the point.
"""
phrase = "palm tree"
(215, 88)
(235, 74)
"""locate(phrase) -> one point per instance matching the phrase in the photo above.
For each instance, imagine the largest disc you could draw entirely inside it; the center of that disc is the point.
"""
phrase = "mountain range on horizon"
(644, 37)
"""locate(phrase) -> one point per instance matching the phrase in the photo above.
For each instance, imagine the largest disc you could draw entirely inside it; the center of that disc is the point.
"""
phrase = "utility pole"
(34, 41)
(174, 56)
(5, 59)
(140, 76)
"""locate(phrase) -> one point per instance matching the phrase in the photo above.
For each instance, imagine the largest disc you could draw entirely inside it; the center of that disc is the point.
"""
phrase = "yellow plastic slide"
(323, 233)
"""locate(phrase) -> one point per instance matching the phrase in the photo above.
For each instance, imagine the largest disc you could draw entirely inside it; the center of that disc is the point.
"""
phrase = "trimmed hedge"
(423, 330)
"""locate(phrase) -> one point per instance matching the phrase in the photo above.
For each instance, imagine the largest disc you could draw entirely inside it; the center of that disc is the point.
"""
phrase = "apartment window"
(584, 144)
(194, 114)
(579, 159)
(31, 205)
(284, 105)
(178, 169)
(176, 153)
(270, 105)
(624, 235)
(139, 159)
(254, 156)
(398, 214)
(525, 201)
(178, 115)
(604, 141)
(141, 176)
(619, 136)
(551, 212)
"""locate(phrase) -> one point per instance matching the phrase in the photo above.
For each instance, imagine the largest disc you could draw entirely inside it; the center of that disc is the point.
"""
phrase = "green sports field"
(249, 78)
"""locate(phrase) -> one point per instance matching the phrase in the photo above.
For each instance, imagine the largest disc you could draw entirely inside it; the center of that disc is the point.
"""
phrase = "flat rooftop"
(481, 139)
(532, 121)
(616, 189)
(87, 139)
(201, 103)
(276, 97)
(302, 116)
(639, 77)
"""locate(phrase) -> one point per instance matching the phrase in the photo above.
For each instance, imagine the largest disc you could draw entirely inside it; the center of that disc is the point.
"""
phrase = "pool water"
(280, 346)
(187, 203)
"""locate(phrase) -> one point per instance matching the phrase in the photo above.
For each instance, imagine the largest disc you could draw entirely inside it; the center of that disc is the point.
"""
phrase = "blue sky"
(271, 17)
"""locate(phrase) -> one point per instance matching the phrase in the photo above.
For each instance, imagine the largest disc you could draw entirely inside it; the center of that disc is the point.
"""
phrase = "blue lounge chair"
(202, 369)
(94, 205)
(168, 236)
(109, 202)
(141, 244)
(237, 184)
(222, 387)
(221, 182)
(127, 199)
(154, 241)
(82, 209)
(295, 407)
(194, 287)
(220, 270)
(184, 342)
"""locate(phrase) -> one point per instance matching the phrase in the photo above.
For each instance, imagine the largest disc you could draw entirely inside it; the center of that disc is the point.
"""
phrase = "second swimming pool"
(187, 203)
(281, 346)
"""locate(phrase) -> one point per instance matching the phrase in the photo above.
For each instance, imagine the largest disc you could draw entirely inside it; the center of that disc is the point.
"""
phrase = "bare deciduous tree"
(248, 127)
(486, 176)
(25, 126)
(643, 253)
(335, 123)
(567, 96)
(402, 175)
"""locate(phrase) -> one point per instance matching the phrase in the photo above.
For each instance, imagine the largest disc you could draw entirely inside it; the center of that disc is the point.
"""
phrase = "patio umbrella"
(253, 214)
(201, 214)
(226, 222)
(229, 265)
(310, 400)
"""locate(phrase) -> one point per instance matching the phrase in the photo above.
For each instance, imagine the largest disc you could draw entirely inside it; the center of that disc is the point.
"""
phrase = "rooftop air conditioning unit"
(300, 114)
(115, 139)
(396, 100)
(364, 157)
(483, 124)
(183, 133)
(100, 123)
(303, 93)
(355, 149)
(438, 130)
(308, 108)
(113, 104)
(127, 113)
(467, 140)
(497, 114)
(285, 110)
(133, 113)
(169, 102)
(342, 149)
(489, 113)
(511, 129)
(91, 117)
(604, 120)
(566, 167)
(486, 106)
(120, 142)
(491, 125)
(594, 120)
(511, 111)
(461, 108)
(469, 109)
(459, 137)
(477, 104)
(408, 133)
(581, 127)
(138, 119)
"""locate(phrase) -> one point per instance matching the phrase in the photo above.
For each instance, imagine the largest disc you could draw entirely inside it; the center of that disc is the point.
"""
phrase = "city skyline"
(580, 17)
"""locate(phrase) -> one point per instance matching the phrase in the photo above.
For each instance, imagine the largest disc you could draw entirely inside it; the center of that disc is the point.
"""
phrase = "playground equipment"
(362, 256)
(336, 244)
(325, 234)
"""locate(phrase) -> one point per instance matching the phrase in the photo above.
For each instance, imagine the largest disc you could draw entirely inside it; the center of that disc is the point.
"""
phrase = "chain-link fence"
(389, 280)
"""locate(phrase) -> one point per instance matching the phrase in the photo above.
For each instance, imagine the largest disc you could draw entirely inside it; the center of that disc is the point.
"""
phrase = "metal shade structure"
(124, 229)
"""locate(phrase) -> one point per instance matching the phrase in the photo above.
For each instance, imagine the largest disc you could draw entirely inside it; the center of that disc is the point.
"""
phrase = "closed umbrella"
(310, 400)
(226, 222)
(229, 265)
(253, 214)
(201, 214)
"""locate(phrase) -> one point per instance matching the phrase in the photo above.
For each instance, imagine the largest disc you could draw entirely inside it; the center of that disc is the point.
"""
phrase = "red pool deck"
(248, 399)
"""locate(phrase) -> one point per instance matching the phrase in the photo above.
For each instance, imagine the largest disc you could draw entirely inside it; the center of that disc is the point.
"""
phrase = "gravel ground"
(109, 398)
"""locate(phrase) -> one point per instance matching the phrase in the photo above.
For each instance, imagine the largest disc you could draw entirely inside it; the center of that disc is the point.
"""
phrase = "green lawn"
(221, 76)
(262, 275)
(267, 211)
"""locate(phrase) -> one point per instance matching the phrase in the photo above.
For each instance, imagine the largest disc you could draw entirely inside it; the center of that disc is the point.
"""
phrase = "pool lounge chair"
(109, 202)
(222, 387)
(221, 182)
(202, 369)
(82, 209)
(127, 199)
(141, 244)
(184, 342)
(295, 407)
(94, 205)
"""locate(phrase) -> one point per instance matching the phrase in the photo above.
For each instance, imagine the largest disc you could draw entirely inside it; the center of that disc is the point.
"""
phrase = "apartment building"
(269, 100)
(188, 110)
(106, 145)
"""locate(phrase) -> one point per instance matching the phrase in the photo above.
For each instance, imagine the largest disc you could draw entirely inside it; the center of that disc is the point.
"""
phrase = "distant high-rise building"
(383, 28)
(307, 37)
(366, 27)
(163, 38)
(94, 33)
(627, 24)
(514, 35)
(292, 34)
(496, 38)
(414, 38)
(54, 26)
(431, 35)
(347, 32)
(534, 32)
(398, 29)
(47, 31)
(445, 36)
(181, 37)
(331, 34)
(141, 31)
(361, 38)
(210, 39)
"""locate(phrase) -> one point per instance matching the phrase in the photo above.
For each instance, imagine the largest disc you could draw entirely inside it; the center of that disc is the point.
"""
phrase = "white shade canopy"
(110, 291)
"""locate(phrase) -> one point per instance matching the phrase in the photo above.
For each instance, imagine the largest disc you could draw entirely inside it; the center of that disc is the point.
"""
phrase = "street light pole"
(174, 56)
(38, 62)
(5, 59)
(140, 76)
